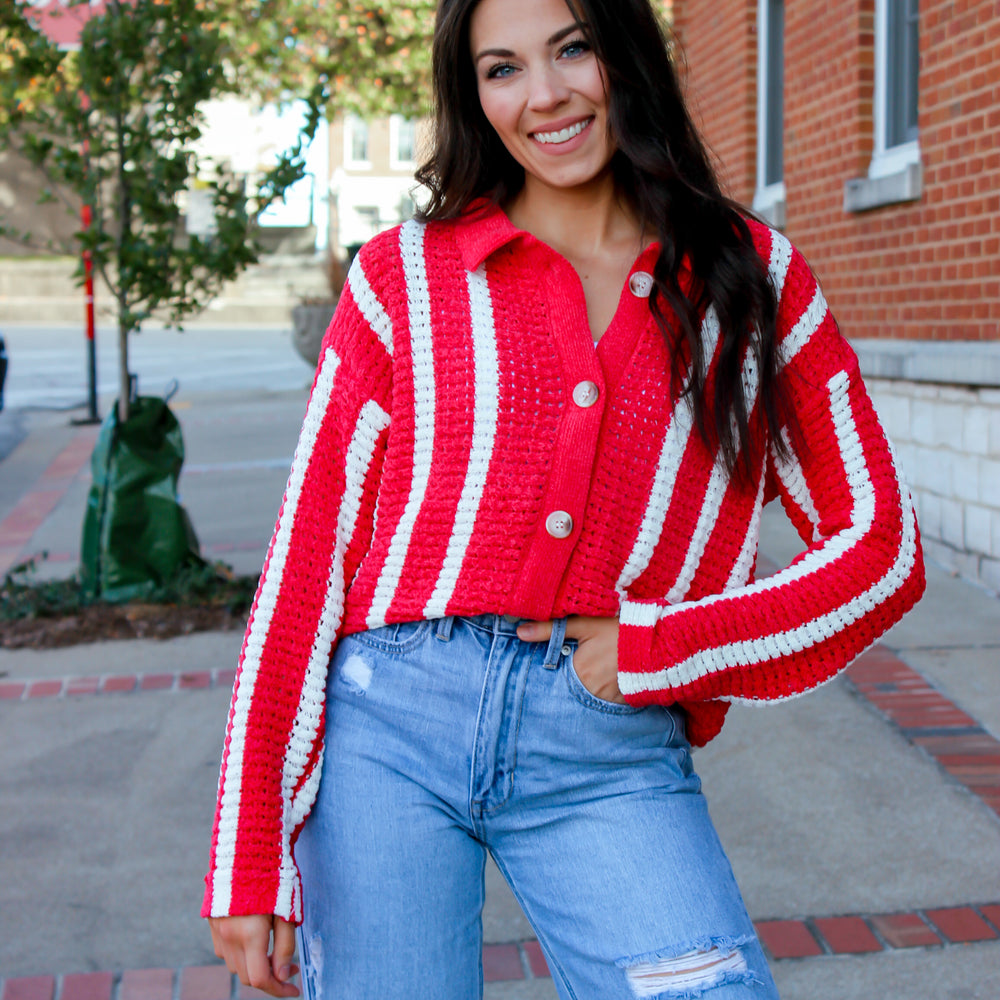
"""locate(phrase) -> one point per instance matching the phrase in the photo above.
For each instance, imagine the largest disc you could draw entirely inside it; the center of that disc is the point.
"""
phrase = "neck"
(586, 220)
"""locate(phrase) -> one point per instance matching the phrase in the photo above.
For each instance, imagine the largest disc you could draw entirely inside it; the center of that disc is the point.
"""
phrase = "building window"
(356, 142)
(903, 72)
(897, 75)
(894, 174)
(402, 142)
(769, 197)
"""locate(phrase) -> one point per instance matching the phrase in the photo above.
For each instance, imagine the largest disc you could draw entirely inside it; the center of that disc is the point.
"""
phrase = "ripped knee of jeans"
(688, 975)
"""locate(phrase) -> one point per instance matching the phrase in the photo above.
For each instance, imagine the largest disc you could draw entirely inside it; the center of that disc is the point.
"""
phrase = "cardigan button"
(559, 524)
(641, 284)
(586, 394)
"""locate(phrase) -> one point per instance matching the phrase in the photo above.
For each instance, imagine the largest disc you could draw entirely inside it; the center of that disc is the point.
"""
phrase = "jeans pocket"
(395, 639)
(581, 693)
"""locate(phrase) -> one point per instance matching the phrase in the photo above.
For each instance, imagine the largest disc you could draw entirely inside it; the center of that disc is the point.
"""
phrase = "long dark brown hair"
(662, 167)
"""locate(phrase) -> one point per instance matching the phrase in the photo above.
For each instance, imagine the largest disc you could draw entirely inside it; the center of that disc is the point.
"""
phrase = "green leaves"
(114, 125)
(368, 56)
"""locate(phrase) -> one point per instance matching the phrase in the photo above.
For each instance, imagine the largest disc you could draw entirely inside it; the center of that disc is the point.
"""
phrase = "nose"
(547, 90)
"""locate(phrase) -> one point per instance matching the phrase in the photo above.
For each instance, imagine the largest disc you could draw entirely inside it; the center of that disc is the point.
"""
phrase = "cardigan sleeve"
(862, 568)
(273, 750)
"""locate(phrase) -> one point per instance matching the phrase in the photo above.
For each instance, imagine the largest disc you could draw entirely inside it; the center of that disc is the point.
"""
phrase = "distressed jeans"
(447, 739)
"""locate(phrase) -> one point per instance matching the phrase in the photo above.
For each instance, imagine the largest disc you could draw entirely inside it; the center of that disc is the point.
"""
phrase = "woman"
(522, 519)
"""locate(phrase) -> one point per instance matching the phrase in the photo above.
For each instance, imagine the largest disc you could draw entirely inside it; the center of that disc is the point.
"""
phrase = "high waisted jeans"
(449, 738)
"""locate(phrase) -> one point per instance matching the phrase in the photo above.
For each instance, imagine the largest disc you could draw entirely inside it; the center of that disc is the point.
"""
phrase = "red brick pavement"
(814, 937)
(30, 512)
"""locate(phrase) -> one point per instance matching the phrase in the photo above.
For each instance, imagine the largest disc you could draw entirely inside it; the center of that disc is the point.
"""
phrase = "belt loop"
(444, 626)
(555, 650)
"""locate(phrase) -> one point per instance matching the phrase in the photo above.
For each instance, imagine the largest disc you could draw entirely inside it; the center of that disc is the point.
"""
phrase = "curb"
(928, 720)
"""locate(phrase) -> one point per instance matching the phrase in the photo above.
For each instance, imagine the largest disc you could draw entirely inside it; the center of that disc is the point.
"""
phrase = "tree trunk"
(124, 378)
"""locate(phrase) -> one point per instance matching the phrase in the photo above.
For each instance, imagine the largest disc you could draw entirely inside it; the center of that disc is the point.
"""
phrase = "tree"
(367, 56)
(113, 126)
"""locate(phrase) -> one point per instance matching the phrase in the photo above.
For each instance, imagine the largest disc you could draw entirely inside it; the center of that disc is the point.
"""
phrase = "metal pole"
(88, 286)
(86, 220)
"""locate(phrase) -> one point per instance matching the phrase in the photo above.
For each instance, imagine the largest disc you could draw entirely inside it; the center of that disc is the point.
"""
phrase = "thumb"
(284, 950)
(534, 631)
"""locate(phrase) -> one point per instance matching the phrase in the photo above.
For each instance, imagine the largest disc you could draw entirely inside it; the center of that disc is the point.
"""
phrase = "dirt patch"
(97, 622)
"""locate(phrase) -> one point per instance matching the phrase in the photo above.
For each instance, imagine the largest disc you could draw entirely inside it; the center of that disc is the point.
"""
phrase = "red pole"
(88, 287)
(86, 218)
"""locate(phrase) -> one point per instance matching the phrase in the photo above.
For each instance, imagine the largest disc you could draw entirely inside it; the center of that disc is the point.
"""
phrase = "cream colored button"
(641, 284)
(559, 524)
(586, 394)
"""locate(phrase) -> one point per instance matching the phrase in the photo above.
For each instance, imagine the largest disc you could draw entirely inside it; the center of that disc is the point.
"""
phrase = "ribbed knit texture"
(442, 432)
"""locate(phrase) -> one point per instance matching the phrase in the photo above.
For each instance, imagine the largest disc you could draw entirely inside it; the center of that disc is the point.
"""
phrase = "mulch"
(97, 622)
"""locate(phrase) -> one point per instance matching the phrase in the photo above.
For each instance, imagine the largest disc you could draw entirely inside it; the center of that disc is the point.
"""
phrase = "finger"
(283, 951)
(230, 953)
(534, 631)
(220, 951)
(586, 626)
(259, 974)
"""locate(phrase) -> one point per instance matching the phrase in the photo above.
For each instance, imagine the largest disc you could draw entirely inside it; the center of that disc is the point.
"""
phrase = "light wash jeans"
(449, 738)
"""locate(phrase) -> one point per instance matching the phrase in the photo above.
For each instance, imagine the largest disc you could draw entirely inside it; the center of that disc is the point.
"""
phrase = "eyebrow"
(553, 40)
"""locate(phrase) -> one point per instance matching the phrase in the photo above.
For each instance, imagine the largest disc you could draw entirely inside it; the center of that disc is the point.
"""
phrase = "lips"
(562, 135)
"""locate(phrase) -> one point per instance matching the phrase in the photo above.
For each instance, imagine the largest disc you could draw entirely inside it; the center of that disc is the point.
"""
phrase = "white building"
(372, 186)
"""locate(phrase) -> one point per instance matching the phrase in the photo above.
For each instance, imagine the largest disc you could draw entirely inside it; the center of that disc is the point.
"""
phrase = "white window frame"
(396, 123)
(769, 200)
(351, 122)
(887, 160)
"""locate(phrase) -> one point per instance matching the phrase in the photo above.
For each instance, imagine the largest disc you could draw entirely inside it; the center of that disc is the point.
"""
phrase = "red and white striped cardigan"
(467, 449)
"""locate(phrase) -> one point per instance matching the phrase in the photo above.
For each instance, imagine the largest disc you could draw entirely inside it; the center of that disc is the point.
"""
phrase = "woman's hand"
(242, 942)
(596, 657)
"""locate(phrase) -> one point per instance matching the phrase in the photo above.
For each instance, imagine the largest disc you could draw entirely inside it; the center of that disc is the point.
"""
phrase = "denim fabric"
(449, 738)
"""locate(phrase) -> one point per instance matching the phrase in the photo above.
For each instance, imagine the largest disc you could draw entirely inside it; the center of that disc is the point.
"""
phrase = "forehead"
(513, 24)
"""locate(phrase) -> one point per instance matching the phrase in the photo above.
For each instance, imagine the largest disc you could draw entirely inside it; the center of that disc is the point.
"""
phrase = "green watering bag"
(136, 534)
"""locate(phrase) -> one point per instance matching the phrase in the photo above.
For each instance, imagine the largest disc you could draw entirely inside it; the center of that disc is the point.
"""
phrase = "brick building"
(869, 132)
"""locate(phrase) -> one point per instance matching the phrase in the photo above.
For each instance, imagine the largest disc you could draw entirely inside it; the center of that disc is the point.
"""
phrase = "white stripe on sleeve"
(368, 303)
(372, 421)
(801, 637)
(231, 798)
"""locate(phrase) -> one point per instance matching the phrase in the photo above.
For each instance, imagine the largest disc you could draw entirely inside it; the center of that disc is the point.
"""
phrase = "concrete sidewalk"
(862, 821)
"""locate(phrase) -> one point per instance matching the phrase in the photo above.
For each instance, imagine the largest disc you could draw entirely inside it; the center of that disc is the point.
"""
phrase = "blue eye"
(577, 47)
(499, 71)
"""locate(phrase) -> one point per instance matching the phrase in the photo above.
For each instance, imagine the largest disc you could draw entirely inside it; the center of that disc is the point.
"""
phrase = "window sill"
(861, 194)
(970, 363)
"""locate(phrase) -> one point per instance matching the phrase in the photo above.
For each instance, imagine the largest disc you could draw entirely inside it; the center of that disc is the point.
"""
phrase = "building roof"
(62, 23)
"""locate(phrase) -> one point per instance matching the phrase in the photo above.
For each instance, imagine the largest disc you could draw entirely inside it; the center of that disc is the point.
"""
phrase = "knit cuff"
(254, 894)
(638, 664)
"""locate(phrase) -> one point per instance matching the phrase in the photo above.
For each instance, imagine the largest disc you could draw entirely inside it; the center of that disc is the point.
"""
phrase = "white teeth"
(564, 135)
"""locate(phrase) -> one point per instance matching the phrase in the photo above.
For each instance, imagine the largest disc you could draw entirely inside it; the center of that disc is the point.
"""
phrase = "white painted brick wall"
(979, 527)
(947, 442)
(965, 477)
(989, 481)
(976, 431)
(953, 522)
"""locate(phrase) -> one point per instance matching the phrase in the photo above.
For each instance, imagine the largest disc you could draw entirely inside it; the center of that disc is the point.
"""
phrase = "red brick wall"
(719, 44)
(927, 270)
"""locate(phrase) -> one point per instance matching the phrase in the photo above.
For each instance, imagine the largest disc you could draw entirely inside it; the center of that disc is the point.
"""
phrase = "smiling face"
(543, 90)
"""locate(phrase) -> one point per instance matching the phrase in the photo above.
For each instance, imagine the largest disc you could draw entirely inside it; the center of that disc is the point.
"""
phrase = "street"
(48, 364)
